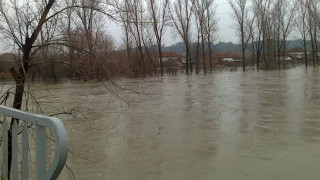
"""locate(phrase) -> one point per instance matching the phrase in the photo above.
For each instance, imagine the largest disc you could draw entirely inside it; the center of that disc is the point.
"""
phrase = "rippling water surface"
(226, 125)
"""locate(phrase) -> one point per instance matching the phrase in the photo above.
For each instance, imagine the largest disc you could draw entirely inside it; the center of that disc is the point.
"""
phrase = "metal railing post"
(42, 124)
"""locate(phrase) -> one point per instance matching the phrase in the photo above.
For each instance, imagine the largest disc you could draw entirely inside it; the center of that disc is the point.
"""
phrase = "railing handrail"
(60, 135)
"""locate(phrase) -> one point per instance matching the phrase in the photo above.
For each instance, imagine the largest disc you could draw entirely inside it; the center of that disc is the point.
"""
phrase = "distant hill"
(178, 48)
(229, 47)
(298, 43)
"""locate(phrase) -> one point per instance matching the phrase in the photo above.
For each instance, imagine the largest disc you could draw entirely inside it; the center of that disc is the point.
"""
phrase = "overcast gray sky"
(226, 32)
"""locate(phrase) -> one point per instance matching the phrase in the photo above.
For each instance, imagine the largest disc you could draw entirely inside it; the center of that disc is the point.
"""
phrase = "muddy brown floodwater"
(223, 126)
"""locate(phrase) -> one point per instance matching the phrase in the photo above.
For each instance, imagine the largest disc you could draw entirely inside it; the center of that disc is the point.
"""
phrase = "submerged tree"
(180, 15)
(158, 11)
(243, 24)
(206, 22)
(211, 27)
(199, 10)
(302, 26)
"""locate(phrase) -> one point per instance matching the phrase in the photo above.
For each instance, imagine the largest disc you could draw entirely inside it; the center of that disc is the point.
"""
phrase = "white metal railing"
(42, 123)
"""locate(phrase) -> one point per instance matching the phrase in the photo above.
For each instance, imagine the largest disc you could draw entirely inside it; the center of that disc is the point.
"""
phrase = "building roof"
(296, 50)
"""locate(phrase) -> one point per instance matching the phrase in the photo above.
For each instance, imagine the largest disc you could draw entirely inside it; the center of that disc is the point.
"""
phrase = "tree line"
(264, 27)
(72, 37)
(144, 23)
(73, 40)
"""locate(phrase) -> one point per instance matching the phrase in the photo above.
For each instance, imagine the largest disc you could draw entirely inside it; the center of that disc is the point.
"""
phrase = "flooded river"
(223, 126)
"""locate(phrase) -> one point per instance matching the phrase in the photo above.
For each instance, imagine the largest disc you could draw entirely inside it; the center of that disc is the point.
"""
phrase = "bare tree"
(278, 22)
(71, 49)
(199, 8)
(310, 4)
(88, 22)
(204, 11)
(125, 21)
(158, 11)
(243, 24)
(265, 31)
(285, 14)
(197, 47)
(180, 14)
(302, 27)
(259, 13)
(211, 26)
(46, 67)
(150, 45)
(136, 18)
(313, 13)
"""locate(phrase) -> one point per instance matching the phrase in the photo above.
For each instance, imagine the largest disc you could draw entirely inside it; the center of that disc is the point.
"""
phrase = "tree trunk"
(243, 63)
(197, 55)
(305, 49)
(203, 50)
(279, 49)
(187, 58)
(210, 58)
(190, 62)
(160, 56)
(243, 49)
(312, 46)
(264, 53)
(258, 61)
(259, 49)
(316, 43)
(284, 52)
